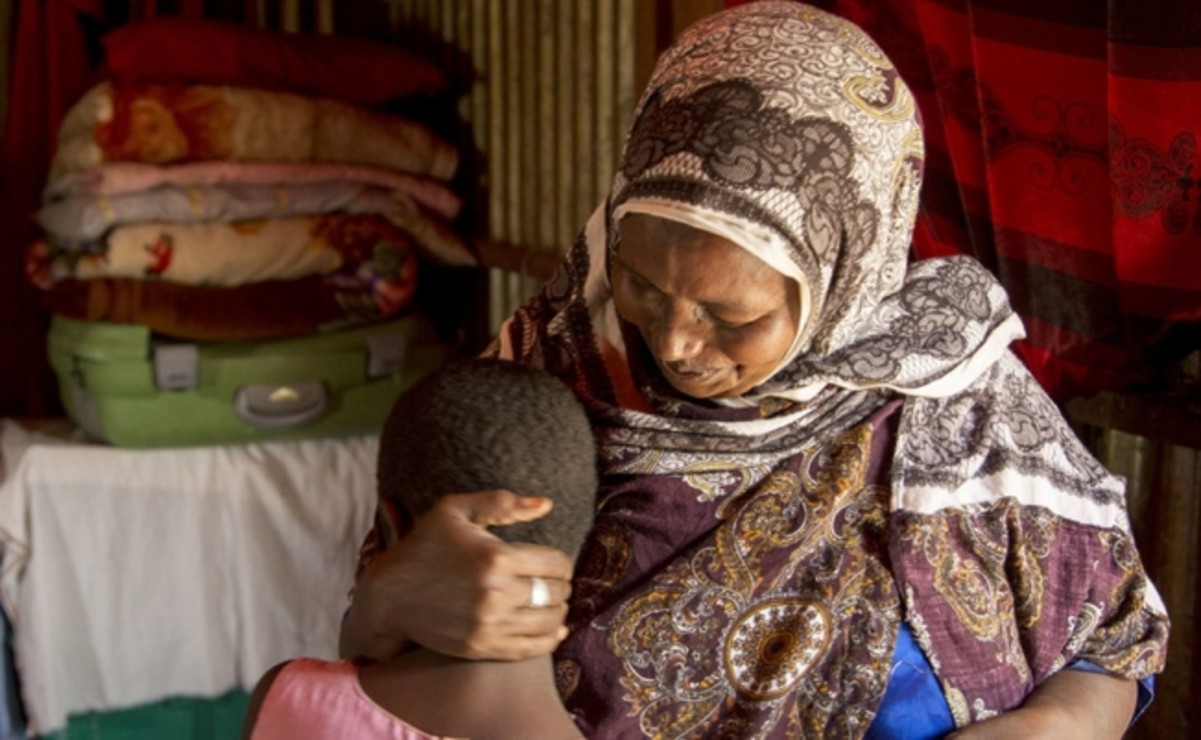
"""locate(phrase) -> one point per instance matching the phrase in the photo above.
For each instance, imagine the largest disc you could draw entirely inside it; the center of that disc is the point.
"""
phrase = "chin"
(717, 388)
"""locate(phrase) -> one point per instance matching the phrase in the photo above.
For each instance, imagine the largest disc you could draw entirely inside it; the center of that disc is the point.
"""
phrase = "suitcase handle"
(281, 406)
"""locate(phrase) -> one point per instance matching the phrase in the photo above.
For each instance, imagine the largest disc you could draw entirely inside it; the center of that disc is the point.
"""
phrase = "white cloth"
(135, 575)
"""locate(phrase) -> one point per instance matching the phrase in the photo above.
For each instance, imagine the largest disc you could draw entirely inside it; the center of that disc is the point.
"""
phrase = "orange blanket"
(162, 124)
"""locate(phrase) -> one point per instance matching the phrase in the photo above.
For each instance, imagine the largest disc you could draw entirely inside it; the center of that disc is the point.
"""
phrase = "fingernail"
(531, 502)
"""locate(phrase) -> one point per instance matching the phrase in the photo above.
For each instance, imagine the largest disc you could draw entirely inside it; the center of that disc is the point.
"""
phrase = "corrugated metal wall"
(1155, 443)
(1164, 494)
(550, 85)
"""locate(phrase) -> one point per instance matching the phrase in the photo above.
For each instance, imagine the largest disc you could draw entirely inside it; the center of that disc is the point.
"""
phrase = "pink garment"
(322, 700)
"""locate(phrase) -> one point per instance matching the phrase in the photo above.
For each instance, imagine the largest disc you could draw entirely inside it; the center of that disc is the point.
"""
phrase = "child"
(471, 426)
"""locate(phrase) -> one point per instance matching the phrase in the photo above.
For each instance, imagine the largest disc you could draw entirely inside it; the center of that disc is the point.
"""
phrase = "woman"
(830, 495)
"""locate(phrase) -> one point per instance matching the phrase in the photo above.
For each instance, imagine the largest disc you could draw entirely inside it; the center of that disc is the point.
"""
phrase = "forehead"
(681, 258)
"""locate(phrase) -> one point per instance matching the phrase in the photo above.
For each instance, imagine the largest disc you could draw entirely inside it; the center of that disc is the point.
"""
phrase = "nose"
(679, 336)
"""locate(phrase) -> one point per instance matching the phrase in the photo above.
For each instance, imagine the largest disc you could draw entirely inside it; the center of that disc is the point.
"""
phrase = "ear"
(394, 522)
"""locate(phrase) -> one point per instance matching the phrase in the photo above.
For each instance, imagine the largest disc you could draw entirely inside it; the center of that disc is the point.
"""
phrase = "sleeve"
(1012, 547)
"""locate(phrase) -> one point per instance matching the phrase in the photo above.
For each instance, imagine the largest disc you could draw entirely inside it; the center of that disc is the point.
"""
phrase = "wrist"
(369, 631)
(381, 617)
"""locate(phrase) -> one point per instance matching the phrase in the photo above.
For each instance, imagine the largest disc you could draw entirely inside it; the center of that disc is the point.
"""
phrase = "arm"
(1069, 704)
(453, 587)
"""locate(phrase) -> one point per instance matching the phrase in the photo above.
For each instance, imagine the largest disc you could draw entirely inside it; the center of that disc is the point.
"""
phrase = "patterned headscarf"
(787, 131)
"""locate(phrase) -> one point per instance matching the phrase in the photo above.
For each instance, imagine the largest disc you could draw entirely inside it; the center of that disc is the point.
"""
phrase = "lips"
(692, 375)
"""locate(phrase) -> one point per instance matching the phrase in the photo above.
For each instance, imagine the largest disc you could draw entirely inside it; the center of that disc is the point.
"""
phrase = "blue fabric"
(913, 706)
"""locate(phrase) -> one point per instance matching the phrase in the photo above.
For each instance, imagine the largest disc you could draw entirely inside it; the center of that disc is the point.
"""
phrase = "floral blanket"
(163, 124)
(256, 311)
(85, 223)
(223, 254)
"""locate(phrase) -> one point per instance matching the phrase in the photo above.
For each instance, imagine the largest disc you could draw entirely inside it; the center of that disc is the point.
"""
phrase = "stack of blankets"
(223, 183)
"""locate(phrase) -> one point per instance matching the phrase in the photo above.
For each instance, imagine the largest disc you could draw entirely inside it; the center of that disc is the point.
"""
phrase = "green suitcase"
(125, 386)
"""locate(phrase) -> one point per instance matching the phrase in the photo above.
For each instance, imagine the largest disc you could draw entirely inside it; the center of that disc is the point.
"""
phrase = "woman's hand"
(453, 587)
(1070, 704)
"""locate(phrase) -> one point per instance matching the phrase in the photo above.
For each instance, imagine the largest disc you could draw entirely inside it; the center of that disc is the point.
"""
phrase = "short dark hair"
(482, 423)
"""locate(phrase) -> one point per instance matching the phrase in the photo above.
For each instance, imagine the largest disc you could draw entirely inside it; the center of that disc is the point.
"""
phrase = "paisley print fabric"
(1014, 547)
(767, 609)
(753, 557)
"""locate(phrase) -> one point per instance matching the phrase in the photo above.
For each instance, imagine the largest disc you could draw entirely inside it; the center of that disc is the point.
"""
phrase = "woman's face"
(716, 318)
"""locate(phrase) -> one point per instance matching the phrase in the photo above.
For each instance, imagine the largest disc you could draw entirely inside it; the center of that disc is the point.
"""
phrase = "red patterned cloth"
(49, 68)
(1061, 151)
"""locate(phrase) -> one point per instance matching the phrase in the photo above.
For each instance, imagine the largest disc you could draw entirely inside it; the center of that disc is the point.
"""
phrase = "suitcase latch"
(385, 354)
(175, 367)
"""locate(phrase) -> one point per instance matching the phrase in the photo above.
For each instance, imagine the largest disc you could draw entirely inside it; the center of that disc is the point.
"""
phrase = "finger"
(542, 622)
(535, 621)
(519, 648)
(557, 592)
(529, 560)
(496, 507)
(516, 634)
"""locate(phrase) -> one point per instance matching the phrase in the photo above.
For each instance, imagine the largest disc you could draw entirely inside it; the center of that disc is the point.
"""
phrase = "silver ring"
(539, 593)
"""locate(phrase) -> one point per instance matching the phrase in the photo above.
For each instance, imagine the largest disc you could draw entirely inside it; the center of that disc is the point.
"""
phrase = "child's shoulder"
(291, 674)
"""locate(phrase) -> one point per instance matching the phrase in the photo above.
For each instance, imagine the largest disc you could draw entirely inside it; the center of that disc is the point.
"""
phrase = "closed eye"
(726, 324)
(636, 281)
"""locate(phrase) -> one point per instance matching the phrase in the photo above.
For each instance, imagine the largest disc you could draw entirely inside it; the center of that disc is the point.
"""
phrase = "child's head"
(481, 424)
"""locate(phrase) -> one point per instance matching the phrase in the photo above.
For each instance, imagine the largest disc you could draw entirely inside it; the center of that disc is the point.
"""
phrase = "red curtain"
(1061, 143)
(50, 67)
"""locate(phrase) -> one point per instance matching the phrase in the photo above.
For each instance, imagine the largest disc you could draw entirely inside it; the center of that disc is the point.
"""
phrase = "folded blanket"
(258, 311)
(355, 69)
(119, 178)
(221, 254)
(163, 124)
(76, 222)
